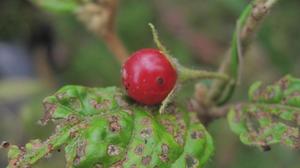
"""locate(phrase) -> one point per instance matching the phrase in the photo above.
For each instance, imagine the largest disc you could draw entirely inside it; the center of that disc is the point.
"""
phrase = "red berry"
(148, 76)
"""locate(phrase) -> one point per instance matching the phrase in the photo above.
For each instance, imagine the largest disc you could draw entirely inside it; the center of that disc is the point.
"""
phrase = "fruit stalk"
(186, 74)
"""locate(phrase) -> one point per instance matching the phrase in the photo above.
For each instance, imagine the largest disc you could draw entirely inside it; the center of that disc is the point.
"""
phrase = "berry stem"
(186, 74)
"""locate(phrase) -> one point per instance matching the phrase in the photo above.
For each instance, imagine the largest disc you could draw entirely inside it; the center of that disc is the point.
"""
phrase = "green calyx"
(100, 127)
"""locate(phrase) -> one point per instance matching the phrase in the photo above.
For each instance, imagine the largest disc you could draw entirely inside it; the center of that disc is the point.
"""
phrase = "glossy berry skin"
(148, 76)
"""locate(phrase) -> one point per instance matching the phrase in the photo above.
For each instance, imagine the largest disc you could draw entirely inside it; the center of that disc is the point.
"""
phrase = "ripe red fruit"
(148, 76)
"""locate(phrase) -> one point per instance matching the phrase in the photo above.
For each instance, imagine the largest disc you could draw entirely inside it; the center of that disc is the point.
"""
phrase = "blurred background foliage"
(40, 52)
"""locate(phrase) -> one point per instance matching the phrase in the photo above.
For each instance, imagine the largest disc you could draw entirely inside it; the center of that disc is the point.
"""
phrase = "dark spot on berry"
(127, 85)
(159, 80)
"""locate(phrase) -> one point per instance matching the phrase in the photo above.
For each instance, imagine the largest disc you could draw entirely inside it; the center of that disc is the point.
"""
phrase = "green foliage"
(235, 60)
(99, 127)
(273, 116)
(59, 5)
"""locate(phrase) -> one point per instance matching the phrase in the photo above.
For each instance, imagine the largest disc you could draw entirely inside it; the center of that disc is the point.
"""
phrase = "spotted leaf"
(272, 117)
(100, 127)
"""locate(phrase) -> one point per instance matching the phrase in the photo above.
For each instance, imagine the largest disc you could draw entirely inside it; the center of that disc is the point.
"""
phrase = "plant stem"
(246, 28)
(186, 74)
(99, 17)
(116, 46)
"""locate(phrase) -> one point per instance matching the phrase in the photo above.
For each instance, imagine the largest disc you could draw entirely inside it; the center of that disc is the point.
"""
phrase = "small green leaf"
(235, 56)
(273, 116)
(100, 127)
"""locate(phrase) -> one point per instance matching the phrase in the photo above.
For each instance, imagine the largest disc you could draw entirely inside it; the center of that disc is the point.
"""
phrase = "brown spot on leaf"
(139, 149)
(76, 161)
(100, 105)
(50, 108)
(180, 132)
(168, 126)
(146, 121)
(196, 135)
(172, 109)
(146, 160)
(179, 140)
(164, 148)
(80, 151)
(118, 164)
(60, 95)
(191, 162)
(72, 119)
(121, 102)
(75, 103)
(113, 150)
(164, 157)
(73, 133)
(114, 125)
(146, 133)
(36, 144)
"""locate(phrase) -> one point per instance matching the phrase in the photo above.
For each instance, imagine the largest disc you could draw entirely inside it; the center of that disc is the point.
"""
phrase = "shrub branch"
(245, 30)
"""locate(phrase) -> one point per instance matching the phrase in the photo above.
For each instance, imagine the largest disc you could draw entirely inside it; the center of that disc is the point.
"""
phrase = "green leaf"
(58, 5)
(235, 56)
(101, 127)
(272, 117)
